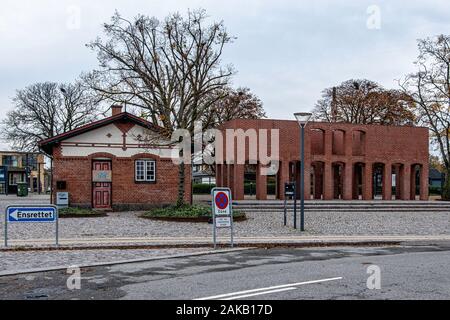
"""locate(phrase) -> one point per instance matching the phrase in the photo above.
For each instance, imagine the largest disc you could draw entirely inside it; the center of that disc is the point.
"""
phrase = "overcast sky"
(286, 51)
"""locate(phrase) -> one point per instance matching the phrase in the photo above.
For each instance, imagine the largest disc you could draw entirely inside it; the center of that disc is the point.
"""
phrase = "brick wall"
(345, 145)
(126, 193)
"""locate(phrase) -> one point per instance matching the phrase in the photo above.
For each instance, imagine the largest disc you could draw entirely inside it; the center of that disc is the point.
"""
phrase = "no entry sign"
(222, 202)
(222, 211)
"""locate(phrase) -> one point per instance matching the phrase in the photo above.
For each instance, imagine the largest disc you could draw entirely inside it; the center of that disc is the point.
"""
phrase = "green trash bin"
(22, 190)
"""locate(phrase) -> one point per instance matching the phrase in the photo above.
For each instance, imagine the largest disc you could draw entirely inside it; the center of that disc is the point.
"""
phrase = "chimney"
(116, 109)
(333, 106)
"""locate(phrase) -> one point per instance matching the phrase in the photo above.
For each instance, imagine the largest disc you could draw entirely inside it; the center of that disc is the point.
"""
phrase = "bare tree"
(429, 86)
(364, 102)
(43, 110)
(170, 68)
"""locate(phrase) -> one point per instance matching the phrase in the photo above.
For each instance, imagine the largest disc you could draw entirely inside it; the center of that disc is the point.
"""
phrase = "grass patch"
(79, 212)
(186, 212)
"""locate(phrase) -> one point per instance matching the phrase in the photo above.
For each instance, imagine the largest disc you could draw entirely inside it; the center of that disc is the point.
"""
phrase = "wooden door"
(101, 191)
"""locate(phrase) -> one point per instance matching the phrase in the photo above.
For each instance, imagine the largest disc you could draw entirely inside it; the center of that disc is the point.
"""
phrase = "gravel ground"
(129, 224)
(16, 260)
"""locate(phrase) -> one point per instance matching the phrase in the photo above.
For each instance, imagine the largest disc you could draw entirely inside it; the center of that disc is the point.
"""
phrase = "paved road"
(419, 272)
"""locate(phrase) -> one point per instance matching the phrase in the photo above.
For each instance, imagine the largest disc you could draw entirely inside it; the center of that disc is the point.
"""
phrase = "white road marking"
(259, 293)
(271, 289)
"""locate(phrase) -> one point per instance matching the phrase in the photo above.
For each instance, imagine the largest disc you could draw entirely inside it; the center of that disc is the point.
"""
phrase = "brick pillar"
(328, 181)
(387, 182)
(355, 190)
(398, 182)
(230, 173)
(318, 181)
(406, 182)
(224, 168)
(413, 183)
(367, 180)
(424, 182)
(283, 172)
(328, 143)
(219, 175)
(307, 190)
(238, 182)
(348, 180)
(261, 184)
(348, 148)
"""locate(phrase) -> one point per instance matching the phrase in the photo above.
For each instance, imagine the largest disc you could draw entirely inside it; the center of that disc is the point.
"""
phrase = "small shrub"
(185, 211)
(202, 188)
(73, 211)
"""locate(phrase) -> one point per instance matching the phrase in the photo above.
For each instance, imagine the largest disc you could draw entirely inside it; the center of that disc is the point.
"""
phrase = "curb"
(100, 264)
(237, 245)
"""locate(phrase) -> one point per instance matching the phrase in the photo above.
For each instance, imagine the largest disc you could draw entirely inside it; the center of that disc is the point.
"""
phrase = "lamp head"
(303, 118)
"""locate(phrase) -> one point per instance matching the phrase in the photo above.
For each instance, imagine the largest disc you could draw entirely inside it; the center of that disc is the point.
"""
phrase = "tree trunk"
(446, 189)
(181, 180)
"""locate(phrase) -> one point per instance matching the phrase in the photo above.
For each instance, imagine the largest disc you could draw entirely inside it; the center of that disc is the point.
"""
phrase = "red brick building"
(342, 161)
(106, 165)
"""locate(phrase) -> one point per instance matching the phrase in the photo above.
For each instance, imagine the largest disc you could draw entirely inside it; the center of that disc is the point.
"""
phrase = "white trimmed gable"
(111, 139)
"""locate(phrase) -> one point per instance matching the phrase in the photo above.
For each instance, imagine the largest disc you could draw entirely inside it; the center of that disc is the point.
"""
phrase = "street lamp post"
(302, 119)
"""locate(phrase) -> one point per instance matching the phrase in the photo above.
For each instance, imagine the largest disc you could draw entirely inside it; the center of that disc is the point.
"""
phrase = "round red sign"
(221, 200)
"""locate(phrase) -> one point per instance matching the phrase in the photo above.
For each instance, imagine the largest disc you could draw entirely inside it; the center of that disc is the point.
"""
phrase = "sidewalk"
(193, 242)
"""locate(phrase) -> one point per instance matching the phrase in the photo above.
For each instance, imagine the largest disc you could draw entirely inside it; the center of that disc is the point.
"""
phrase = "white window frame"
(146, 167)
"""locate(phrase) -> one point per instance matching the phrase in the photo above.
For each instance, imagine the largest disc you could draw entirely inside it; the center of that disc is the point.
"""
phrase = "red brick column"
(219, 175)
(238, 182)
(413, 183)
(348, 148)
(261, 184)
(318, 181)
(328, 193)
(398, 182)
(224, 175)
(230, 173)
(424, 182)
(348, 181)
(406, 182)
(307, 190)
(387, 182)
(367, 181)
(355, 187)
(328, 144)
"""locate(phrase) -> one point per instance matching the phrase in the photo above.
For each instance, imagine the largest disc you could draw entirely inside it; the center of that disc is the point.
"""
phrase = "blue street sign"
(36, 213)
(31, 214)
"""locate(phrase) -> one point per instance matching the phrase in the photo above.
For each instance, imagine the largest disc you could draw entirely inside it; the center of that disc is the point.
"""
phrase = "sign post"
(222, 212)
(289, 192)
(62, 199)
(31, 214)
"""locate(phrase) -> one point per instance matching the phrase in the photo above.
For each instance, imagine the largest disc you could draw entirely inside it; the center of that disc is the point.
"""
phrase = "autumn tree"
(231, 104)
(429, 88)
(436, 163)
(43, 110)
(171, 68)
(364, 102)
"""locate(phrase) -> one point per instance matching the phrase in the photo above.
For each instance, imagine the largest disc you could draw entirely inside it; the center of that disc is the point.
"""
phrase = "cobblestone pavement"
(17, 260)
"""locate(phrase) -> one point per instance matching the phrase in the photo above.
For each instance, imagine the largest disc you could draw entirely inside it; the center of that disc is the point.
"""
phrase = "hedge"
(249, 188)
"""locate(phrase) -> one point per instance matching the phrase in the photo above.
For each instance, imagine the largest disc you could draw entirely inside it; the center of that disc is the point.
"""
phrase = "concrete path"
(207, 241)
